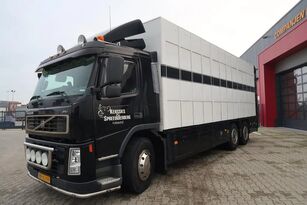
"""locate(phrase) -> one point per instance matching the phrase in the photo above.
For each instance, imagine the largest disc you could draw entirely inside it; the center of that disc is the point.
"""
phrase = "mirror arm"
(105, 84)
(109, 83)
(94, 90)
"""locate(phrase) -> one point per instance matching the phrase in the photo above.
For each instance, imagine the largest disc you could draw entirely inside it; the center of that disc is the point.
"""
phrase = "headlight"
(38, 156)
(45, 159)
(28, 154)
(32, 154)
(74, 161)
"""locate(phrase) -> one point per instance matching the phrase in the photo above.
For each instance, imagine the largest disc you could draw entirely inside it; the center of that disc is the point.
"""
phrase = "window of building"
(294, 94)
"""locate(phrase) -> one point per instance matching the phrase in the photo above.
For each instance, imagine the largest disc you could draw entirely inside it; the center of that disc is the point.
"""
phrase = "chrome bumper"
(82, 196)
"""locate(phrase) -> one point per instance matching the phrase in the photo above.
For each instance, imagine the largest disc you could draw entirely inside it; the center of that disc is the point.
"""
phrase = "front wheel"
(138, 165)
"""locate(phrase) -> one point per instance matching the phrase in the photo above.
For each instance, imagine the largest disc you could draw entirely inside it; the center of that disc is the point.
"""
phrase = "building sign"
(299, 17)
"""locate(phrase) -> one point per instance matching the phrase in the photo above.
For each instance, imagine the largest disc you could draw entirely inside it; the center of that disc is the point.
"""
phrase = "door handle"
(138, 115)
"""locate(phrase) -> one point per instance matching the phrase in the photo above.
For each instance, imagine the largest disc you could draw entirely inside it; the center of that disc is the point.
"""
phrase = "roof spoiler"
(119, 34)
(126, 30)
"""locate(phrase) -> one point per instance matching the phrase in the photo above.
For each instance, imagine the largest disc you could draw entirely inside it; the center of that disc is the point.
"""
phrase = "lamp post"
(13, 92)
(8, 95)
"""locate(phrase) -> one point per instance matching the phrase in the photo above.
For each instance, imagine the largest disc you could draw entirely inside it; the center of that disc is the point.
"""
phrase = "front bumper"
(96, 177)
(79, 190)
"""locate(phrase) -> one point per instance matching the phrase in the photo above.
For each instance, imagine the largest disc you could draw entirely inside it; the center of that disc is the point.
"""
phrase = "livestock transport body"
(117, 107)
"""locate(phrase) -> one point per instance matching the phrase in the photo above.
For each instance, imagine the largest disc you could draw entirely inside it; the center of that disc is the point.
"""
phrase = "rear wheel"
(244, 135)
(138, 165)
(233, 138)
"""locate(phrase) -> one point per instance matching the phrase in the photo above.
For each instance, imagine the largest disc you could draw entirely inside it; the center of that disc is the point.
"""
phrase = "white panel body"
(187, 113)
(186, 91)
(172, 53)
(172, 114)
(196, 63)
(198, 109)
(187, 102)
(217, 112)
(184, 59)
(208, 112)
(206, 66)
(215, 69)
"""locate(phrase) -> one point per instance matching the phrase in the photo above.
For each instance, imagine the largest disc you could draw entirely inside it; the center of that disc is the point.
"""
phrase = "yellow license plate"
(44, 177)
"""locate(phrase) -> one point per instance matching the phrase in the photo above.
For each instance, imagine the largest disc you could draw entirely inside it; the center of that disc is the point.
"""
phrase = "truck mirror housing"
(114, 70)
(112, 91)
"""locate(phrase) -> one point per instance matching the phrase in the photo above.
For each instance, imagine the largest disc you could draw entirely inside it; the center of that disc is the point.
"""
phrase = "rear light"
(90, 148)
(74, 161)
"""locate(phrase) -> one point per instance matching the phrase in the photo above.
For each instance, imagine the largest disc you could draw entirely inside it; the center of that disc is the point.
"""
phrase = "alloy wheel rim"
(144, 165)
(234, 136)
(245, 133)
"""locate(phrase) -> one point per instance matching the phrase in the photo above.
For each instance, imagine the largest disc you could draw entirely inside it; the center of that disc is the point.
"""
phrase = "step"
(108, 180)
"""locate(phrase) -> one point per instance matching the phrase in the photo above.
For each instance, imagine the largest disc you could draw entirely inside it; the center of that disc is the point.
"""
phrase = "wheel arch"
(242, 123)
(149, 131)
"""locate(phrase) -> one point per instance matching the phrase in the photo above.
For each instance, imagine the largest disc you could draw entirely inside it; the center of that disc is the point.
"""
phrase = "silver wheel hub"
(144, 165)
(245, 133)
(234, 136)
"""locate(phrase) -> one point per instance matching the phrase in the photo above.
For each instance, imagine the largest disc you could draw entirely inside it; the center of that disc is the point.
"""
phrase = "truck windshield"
(69, 78)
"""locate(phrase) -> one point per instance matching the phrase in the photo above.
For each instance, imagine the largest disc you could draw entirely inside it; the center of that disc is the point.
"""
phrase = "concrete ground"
(271, 169)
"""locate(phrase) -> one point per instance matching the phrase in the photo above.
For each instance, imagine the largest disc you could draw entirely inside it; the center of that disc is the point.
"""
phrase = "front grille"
(56, 124)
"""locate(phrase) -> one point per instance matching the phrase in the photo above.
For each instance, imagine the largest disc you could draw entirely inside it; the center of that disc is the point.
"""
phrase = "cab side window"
(129, 82)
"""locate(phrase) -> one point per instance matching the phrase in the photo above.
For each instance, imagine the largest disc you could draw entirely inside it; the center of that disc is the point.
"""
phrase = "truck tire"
(244, 134)
(233, 138)
(138, 165)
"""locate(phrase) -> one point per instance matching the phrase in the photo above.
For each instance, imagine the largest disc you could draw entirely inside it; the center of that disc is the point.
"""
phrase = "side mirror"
(114, 70)
(112, 91)
(110, 85)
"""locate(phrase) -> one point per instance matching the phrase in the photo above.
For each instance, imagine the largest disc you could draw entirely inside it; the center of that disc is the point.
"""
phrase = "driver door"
(116, 116)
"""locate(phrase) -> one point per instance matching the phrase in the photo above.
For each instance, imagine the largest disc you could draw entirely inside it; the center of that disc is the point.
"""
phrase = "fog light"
(74, 161)
(45, 159)
(38, 156)
(32, 155)
(81, 40)
(60, 49)
(28, 154)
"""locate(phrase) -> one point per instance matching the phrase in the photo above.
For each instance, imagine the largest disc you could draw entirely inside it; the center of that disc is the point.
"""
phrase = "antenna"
(110, 17)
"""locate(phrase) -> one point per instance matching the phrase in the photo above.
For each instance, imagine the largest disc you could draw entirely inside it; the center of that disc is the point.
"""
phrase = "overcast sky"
(31, 30)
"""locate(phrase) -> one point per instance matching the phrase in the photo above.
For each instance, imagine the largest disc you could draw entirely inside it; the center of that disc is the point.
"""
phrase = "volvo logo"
(43, 123)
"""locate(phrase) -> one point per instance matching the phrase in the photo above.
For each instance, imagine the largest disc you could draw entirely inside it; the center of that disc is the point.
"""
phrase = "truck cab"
(89, 102)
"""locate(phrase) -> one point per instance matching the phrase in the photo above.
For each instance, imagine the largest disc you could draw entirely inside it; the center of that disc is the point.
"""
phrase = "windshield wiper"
(57, 93)
(62, 93)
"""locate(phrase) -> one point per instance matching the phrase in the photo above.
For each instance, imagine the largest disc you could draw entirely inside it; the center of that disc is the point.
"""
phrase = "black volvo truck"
(94, 122)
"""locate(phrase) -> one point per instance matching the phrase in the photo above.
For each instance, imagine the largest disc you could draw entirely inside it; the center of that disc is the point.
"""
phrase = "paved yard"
(271, 169)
